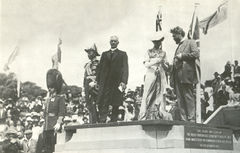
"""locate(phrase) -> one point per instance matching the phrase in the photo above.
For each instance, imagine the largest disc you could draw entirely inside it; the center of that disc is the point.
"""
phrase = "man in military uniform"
(90, 82)
(54, 110)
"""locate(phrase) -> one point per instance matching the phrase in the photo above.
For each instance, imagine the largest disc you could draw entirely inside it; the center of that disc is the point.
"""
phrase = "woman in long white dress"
(153, 101)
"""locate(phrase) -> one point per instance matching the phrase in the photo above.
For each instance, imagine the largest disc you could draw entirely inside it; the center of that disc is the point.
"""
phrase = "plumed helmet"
(54, 80)
(93, 48)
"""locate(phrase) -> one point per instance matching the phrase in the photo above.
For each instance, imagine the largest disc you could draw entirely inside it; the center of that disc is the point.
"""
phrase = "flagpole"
(18, 87)
(198, 86)
(229, 15)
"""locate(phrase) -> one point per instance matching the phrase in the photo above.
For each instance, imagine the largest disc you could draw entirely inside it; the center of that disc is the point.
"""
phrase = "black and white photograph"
(119, 76)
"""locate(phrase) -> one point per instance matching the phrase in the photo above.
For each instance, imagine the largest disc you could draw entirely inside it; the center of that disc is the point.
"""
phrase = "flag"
(56, 58)
(217, 17)
(11, 58)
(159, 21)
(194, 34)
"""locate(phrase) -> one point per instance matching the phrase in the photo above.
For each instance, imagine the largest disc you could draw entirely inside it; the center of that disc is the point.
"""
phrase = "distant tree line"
(8, 88)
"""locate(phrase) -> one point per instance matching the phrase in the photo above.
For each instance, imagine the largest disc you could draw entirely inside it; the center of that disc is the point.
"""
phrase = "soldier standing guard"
(89, 82)
(54, 110)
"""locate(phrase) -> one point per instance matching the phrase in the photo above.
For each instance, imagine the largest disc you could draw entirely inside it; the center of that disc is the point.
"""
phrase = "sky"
(36, 25)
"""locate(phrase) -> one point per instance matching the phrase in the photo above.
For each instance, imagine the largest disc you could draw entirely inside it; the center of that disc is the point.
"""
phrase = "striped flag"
(217, 17)
(56, 58)
(159, 20)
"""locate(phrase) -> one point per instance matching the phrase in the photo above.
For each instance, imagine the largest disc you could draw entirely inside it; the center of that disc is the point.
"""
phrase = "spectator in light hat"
(28, 115)
(67, 120)
(35, 117)
(41, 122)
(29, 119)
(29, 144)
(29, 123)
(121, 112)
(85, 120)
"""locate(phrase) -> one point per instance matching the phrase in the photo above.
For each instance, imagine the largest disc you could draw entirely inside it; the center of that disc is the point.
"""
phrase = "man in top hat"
(184, 74)
(28, 144)
(54, 109)
(112, 79)
(89, 82)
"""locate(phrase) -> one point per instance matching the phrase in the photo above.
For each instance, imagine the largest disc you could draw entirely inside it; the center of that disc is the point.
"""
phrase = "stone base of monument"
(147, 137)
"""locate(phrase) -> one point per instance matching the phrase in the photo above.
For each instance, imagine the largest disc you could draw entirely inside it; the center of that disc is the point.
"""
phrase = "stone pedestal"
(133, 138)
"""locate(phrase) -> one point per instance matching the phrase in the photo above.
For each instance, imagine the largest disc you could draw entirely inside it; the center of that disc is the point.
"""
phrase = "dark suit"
(222, 98)
(54, 110)
(113, 69)
(184, 77)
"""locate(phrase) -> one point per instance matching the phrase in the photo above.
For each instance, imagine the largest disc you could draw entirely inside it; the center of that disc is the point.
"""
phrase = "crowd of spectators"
(23, 119)
(223, 89)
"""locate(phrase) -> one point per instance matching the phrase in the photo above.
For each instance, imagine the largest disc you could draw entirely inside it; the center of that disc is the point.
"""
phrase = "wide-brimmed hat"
(129, 100)
(67, 119)
(41, 120)
(74, 117)
(35, 114)
(158, 36)
(29, 119)
(120, 108)
(11, 131)
(28, 114)
(93, 48)
(28, 131)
